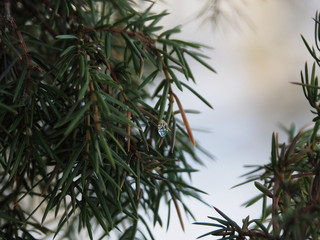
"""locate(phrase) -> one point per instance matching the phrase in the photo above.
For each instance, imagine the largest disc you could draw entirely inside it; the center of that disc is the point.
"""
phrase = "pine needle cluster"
(92, 130)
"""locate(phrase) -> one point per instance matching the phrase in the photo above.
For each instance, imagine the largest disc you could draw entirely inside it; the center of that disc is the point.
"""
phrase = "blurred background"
(257, 52)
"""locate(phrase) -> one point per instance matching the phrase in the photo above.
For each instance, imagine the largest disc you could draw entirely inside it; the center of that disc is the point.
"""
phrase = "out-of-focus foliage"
(290, 184)
(224, 13)
(79, 138)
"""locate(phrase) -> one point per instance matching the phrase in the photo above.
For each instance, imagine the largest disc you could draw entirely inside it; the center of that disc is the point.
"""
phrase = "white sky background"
(251, 95)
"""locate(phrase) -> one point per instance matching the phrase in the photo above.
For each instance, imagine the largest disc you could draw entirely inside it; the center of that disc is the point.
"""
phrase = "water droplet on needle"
(162, 128)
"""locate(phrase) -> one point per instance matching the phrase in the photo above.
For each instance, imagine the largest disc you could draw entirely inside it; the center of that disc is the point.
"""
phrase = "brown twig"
(115, 30)
(185, 120)
(96, 114)
(21, 43)
(8, 19)
(178, 210)
(173, 135)
(150, 115)
(53, 174)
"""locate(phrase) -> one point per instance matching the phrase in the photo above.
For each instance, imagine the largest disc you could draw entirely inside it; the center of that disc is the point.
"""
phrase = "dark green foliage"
(78, 127)
(290, 184)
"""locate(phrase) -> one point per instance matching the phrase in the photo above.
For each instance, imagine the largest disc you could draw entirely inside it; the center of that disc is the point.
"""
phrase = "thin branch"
(184, 118)
(178, 210)
(115, 30)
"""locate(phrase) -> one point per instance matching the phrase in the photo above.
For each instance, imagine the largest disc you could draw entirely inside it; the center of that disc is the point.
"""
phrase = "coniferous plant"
(92, 131)
(290, 184)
